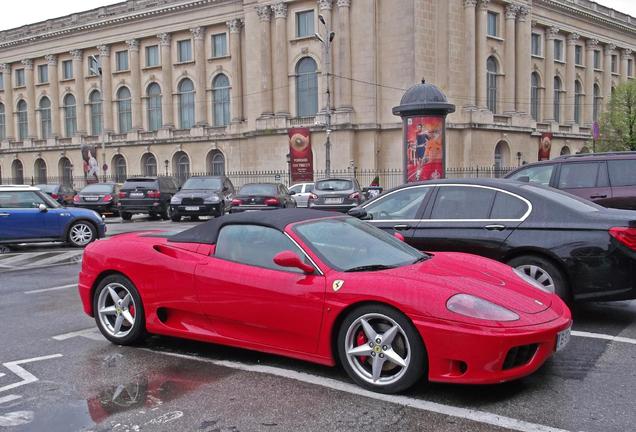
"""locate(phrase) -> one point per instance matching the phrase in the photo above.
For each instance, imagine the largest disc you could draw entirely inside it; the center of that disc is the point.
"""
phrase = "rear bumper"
(203, 209)
(100, 208)
(149, 207)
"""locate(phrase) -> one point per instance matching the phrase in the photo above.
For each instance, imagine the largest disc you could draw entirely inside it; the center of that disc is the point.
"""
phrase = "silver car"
(336, 194)
(302, 193)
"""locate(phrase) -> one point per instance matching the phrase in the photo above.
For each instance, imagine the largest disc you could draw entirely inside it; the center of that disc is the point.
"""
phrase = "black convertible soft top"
(208, 232)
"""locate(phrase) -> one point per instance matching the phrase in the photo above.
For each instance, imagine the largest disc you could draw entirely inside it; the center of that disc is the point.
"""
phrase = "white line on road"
(90, 333)
(9, 398)
(465, 413)
(13, 260)
(27, 377)
(50, 289)
(58, 258)
(604, 336)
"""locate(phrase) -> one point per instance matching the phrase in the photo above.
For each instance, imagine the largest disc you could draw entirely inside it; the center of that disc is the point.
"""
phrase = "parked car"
(302, 191)
(329, 289)
(101, 197)
(147, 195)
(59, 192)
(336, 194)
(28, 215)
(262, 196)
(571, 246)
(202, 196)
(608, 179)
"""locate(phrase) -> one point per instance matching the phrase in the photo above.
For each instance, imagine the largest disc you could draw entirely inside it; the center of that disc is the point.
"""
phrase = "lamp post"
(288, 157)
(166, 163)
(326, 42)
(96, 69)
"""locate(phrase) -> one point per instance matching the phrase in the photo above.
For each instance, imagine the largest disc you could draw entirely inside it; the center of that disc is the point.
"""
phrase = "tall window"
(306, 87)
(119, 166)
(536, 44)
(614, 63)
(65, 169)
(534, 95)
(19, 77)
(493, 19)
(1, 81)
(491, 84)
(39, 169)
(93, 66)
(154, 107)
(186, 104)
(578, 98)
(23, 122)
(17, 171)
(121, 60)
(70, 115)
(596, 108)
(305, 23)
(630, 67)
(557, 99)
(221, 100)
(597, 59)
(67, 69)
(578, 54)
(43, 74)
(184, 51)
(3, 126)
(216, 163)
(181, 167)
(149, 165)
(95, 101)
(219, 45)
(558, 49)
(124, 110)
(152, 55)
(45, 118)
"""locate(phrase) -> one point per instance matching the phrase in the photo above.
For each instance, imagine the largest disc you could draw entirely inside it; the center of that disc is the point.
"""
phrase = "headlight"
(175, 200)
(475, 307)
(531, 281)
(212, 199)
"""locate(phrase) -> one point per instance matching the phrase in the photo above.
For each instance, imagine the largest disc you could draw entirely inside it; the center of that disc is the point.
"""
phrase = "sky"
(18, 13)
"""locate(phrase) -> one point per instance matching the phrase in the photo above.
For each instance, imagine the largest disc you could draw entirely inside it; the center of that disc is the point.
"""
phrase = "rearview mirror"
(359, 212)
(289, 259)
(42, 208)
(291, 193)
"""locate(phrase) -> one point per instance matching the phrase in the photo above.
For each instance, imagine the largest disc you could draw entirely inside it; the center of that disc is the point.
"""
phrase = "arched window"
(221, 100)
(578, 98)
(186, 104)
(502, 157)
(584, 150)
(216, 163)
(557, 99)
(70, 115)
(65, 169)
(149, 164)
(491, 84)
(119, 167)
(23, 120)
(534, 95)
(306, 87)
(181, 166)
(154, 107)
(565, 150)
(596, 108)
(45, 118)
(95, 101)
(3, 128)
(124, 110)
(39, 169)
(17, 171)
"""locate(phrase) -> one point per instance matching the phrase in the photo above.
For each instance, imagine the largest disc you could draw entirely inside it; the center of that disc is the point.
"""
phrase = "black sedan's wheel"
(125, 216)
(118, 311)
(175, 217)
(544, 272)
(380, 349)
(81, 233)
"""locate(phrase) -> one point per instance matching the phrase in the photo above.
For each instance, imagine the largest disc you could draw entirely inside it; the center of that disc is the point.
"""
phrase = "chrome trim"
(305, 253)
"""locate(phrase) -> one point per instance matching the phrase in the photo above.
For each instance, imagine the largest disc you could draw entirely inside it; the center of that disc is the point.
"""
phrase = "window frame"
(67, 70)
(597, 60)
(181, 43)
(492, 18)
(221, 113)
(70, 116)
(578, 55)
(559, 55)
(119, 57)
(213, 39)
(147, 50)
(20, 78)
(43, 74)
(46, 130)
(538, 52)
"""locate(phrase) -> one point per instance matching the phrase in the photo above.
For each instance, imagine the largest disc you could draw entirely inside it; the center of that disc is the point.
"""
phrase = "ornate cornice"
(104, 50)
(280, 9)
(235, 25)
(164, 39)
(325, 4)
(264, 13)
(197, 32)
(77, 54)
(28, 64)
(51, 59)
(511, 11)
(133, 44)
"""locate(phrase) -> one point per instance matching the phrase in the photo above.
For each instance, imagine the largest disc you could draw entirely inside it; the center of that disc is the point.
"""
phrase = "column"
(167, 105)
(607, 72)
(107, 89)
(201, 116)
(281, 75)
(570, 77)
(30, 97)
(509, 60)
(324, 6)
(482, 22)
(469, 49)
(135, 84)
(236, 103)
(264, 13)
(549, 74)
(524, 35)
(343, 61)
(78, 74)
(590, 46)
(54, 94)
(625, 55)
(9, 105)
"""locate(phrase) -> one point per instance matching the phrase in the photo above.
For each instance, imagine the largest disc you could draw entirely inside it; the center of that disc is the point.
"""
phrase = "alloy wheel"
(116, 310)
(81, 234)
(539, 275)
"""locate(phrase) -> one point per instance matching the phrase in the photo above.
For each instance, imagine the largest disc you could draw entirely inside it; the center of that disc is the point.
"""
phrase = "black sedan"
(202, 196)
(262, 196)
(571, 246)
(101, 197)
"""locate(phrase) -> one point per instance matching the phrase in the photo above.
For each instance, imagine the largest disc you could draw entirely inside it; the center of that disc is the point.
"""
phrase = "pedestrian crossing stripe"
(30, 260)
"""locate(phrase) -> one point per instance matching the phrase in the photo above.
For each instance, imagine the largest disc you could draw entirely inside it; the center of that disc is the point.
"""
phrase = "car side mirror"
(360, 213)
(43, 208)
(289, 259)
(524, 179)
(399, 236)
(290, 193)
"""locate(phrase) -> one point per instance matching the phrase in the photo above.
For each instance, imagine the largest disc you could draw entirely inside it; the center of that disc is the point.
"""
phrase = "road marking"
(9, 398)
(465, 413)
(20, 257)
(16, 418)
(50, 289)
(90, 333)
(27, 377)
(604, 336)
(58, 258)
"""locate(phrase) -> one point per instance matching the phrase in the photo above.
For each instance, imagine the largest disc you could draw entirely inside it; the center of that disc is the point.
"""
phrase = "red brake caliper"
(131, 309)
(361, 339)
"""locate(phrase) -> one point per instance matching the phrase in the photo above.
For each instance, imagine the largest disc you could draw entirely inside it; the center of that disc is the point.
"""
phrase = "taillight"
(107, 198)
(76, 199)
(153, 194)
(312, 196)
(355, 196)
(626, 236)
(236, 201)
(122, 194)
(54, 195)
(272, 202)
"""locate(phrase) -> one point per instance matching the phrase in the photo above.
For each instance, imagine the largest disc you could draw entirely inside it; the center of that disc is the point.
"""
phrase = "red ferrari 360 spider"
(327, 289)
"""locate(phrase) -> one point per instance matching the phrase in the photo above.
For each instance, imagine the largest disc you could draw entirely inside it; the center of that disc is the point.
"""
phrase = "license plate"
(192, 208)
(90, 198)
(563, 337)
(137, 195)
(333, 200)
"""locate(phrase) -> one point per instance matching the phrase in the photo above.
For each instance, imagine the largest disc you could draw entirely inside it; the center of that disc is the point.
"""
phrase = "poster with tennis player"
(424, 148)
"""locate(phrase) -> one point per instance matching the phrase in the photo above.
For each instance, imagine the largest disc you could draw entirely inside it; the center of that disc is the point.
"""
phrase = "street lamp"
(326, 42)
(96, 69)
(166, 163)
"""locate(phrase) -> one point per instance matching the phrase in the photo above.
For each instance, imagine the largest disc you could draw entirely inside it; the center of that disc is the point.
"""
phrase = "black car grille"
(519, 356)
(192, 201)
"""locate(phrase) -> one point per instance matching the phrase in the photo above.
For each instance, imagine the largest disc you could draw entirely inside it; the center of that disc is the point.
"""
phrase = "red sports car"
(325, 288)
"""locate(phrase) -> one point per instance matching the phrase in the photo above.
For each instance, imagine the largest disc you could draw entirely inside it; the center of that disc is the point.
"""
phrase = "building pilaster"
(549, 74)
(625, 55)
(469, 48)
(30, 98)
(107, 89)
(78, 74)
(236, 105)
(482, 23)
(570, 77)
(9, 105)
(343, 59)
(54, 94)
(264, 13)
(509, 60)
(167, 105)
(607, 73)
(198, 34)
(281, 75)
(590, 46)
(135, 84)
(324, 7)
(522, 69)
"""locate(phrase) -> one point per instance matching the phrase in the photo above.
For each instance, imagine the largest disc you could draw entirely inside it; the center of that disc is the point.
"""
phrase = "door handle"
(4, 214)
(495, 227)
(598, 196)
(401, 227)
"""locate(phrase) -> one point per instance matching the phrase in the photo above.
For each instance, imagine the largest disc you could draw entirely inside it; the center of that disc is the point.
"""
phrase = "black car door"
(470, 218)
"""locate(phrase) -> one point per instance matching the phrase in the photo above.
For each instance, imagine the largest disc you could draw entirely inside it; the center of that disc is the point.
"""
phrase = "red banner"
(545, 146)
(301, 160)
(424, 148)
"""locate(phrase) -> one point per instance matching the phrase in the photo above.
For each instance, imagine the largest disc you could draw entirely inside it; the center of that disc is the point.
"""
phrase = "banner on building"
(301, 162)
(545, 146)
(424, 148)
(89, 163)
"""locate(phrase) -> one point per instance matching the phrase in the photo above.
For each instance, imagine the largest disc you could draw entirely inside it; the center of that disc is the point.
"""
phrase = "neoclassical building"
(213, 85)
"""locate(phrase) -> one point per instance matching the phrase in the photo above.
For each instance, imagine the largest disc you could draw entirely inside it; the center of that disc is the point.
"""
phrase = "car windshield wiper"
(370, 267)
(420, 259)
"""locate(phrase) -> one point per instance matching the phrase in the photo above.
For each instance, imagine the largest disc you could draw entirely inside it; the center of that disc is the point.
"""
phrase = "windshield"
(141, 184)
(202, 183)
(334, 185)
(348, 244)
(258, 189)
(97, 188)
(47, 188)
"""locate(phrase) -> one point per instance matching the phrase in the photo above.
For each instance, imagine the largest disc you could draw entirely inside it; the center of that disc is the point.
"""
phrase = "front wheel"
(81, 233)
(544, 272)
(380, 349)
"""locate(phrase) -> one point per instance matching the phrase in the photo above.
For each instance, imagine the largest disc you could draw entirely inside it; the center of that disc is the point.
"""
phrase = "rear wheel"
(175, 217)
(544, 272)
(125, 215)
(81, 233)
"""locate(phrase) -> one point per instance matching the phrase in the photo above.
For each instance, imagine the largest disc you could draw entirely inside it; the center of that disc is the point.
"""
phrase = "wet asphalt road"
(80, 382)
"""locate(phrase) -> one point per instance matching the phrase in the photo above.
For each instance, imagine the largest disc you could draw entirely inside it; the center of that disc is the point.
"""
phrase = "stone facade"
(229, 81)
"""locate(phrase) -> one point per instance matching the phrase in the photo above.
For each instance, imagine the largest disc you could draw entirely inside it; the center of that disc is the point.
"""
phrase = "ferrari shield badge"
(337, 284)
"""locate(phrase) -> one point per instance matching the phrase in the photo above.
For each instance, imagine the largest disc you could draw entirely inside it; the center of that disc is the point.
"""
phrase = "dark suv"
(148, 195)
(202, 196)
(608, 179)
